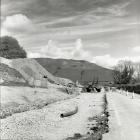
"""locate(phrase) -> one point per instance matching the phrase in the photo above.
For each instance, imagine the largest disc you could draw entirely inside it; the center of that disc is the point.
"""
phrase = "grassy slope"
(72, 69)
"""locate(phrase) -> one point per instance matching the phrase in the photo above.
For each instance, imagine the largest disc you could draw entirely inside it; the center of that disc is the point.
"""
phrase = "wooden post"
(133, 95)
(127, 93)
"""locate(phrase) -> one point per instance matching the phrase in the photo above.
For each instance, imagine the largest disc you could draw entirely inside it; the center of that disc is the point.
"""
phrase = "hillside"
(32, 72)
(80, 70)
(10, 76)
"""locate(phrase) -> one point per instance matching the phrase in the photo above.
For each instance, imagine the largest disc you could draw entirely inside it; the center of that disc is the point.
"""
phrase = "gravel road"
(124, 120)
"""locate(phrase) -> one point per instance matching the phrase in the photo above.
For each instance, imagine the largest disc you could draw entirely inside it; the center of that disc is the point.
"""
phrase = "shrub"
(10, 48)
(131, 88)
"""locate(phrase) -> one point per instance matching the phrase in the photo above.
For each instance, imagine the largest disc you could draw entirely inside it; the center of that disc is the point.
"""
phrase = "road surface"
(124, 120)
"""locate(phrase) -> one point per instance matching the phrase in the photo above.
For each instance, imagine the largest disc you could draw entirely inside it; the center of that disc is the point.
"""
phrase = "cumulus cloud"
(78, 51)
(4, 32)
(105, 60)
(34, 55)
(134, 59)
(54, 50)
(51, 50)
(17, 22)
(108, 61)
(78, 48)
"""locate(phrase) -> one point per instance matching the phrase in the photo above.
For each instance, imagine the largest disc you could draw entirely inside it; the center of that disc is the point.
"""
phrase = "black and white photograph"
(69, 69)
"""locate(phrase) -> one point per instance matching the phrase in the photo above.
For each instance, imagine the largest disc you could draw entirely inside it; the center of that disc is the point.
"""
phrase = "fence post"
(133, 95)
(127, 93)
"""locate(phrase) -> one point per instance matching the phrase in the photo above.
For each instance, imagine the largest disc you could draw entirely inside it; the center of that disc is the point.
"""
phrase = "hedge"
(131, 88)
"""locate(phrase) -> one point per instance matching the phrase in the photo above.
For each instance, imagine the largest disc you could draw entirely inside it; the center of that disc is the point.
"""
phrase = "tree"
(123, 72)
(137, 72)
(10, 48)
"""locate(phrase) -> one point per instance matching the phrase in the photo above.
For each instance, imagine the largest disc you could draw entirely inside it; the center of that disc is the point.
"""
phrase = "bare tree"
(123, 72)
(137, 72)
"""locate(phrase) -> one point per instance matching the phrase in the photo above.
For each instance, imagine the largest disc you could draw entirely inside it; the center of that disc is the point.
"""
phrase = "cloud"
(78, 51)
(98, 45)
(108, 61)
(34, 55)
(17, 22)
(105, 60)
(89, 18)
(135, 59)
(94, 30)
(4, 32)
(64, 13)
(54, 50)
(51, 50)
(78, 45)
(136, 49)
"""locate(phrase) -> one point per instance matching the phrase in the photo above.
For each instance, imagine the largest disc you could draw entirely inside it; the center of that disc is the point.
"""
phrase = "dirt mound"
(36, 74)
(10, 75)
(32, 72)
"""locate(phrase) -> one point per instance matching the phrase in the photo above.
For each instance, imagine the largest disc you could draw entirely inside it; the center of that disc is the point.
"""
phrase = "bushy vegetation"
(131, 88)
(123, 72)
(126, 72)
(127, 76)
(10, 48)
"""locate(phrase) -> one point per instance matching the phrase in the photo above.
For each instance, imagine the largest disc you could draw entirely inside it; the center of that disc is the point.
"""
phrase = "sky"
(99, 31)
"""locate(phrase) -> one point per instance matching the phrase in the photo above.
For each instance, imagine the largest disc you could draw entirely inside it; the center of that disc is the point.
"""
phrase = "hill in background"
(74, 70)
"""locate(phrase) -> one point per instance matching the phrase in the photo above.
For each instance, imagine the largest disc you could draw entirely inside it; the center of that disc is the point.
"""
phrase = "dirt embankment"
(31, 71)
(9, 75)
(46, 123)
(21, 99)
